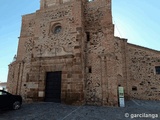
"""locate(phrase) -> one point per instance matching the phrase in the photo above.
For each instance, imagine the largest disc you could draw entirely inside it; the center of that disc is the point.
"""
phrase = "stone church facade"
(68, 53)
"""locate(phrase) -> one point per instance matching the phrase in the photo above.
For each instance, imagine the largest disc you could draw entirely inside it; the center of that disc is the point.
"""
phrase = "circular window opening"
(57, 29)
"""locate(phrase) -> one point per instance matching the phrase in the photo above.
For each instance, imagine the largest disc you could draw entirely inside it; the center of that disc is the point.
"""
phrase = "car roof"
(3, 90)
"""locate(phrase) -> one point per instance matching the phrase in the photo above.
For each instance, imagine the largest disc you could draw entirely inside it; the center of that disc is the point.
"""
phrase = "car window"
(3, 93)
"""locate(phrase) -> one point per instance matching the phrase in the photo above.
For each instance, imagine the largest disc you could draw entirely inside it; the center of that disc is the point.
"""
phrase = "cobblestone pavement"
(134, 110)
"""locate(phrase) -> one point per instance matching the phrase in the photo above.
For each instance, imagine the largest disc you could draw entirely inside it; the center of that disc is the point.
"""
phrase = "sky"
(135, 20)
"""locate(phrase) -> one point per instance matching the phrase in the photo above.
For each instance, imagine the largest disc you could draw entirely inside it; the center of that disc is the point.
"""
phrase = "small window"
(89, 69)
(134, 88)
(88, 36)
(157, 69)
(3, 93)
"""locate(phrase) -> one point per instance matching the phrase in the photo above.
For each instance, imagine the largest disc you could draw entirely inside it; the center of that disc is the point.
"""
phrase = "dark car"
(8, 100)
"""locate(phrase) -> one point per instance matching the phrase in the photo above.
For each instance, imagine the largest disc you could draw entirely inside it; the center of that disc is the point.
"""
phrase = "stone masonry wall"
(143, 82)
(41, 50)
(121, 66)
(72, 78)
(136, 70)
(101, 84)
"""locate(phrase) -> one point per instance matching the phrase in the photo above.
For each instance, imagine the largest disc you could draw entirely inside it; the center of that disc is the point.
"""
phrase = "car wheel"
(16, 105)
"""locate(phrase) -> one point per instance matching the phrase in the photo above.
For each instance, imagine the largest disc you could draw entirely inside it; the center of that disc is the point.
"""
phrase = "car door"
(1, 100)
(5, 99)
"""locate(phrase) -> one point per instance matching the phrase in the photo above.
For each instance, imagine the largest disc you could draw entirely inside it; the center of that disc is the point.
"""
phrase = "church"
(68, 53)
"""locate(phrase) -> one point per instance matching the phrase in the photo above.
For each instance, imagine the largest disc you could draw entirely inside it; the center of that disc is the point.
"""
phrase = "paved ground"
(134, 110)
